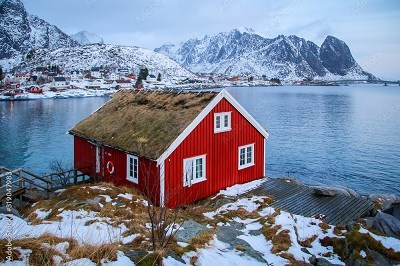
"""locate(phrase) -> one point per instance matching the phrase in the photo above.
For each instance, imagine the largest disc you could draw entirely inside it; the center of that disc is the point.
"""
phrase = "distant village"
(98, 78)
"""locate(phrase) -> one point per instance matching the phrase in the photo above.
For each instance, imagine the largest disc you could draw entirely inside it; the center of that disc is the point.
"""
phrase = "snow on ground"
(71, 93)
(88, 227)
(72, 224)
(387, 242)
(242, 188)
(41, 214)
(249, 204)
(127, 196)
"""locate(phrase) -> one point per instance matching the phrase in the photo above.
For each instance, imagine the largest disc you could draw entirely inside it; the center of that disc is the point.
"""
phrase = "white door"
(98, 158)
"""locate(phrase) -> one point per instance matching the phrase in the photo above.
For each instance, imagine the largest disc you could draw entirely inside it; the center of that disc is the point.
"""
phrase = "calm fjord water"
(340, 136)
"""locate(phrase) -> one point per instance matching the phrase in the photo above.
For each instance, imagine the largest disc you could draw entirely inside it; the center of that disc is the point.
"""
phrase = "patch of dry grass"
(95, 253)
(202, 239)
(292, 260)
(41, 254)
(307, 242)
(324, 226)
(355, 242)
(281, 242)
(43, 250)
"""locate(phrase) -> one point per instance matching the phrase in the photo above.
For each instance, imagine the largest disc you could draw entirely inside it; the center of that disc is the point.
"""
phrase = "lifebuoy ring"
(110, 167)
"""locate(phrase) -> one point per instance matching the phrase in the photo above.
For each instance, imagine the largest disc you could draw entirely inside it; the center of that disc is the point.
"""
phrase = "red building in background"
(176, 148)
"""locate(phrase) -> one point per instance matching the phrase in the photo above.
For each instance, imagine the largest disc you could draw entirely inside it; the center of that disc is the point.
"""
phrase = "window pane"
(199, 168)
(226, 120)
(242, 156)
(249, 154)
(218, 121)
(188, 171)
(135, 168)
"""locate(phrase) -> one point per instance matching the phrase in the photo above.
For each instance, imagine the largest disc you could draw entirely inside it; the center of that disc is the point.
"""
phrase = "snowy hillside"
(242, 52)
(21, 32)
(84, 37)
(108, 56)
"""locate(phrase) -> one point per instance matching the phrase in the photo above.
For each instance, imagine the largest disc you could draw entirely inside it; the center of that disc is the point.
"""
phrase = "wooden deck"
(300, 199)
(29, 187)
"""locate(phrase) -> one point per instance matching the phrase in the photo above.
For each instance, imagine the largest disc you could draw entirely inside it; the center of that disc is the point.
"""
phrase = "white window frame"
(222, 127)
(128, 169)
(188, 183)
(247, 164)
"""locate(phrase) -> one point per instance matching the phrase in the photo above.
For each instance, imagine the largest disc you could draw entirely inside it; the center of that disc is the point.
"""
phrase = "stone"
(323, 262)
(174, 256)
(394, 210)
(135, 255)
(322, 191)
(313, 260)
(229, 234)
(387, 224)
(188, 230)
(14, 212)
(95, 202)
(385, 201)
(305, 250)
(378, 258)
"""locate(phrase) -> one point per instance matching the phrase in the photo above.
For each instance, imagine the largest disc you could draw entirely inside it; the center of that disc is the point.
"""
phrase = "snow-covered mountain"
(84, 37)
(21, 32)
(107, 56)
(242, 52)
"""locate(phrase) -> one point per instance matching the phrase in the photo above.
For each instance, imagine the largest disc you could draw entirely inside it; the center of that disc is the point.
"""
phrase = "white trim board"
(200, 117)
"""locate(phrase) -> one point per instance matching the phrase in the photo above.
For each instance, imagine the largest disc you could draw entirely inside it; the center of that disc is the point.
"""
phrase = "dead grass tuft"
(355, 242)
(107, 252)
(41, 253)
(270, 231)
(202, 239)
(307, 242)
(281, 242)
(292, 260)
(324, 226)
(193, 260)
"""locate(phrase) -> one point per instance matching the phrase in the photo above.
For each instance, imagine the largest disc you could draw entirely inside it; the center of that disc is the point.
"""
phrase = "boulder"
(394, 210)
(387, 224)
(189, 230)
(14, 212)
(385, 201)
(324, 191)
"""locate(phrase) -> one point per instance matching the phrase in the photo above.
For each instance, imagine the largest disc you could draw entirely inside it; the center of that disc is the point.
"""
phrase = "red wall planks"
(221, 151)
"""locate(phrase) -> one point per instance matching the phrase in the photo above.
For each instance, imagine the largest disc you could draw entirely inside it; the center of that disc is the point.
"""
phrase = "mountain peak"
(286, 57)
(22, 32)
(243, 30)
(85, 37)
(11, 2)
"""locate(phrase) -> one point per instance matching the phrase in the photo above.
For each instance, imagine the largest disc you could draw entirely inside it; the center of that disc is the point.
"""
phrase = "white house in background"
(75, 75)
(113, 76)
(121, 84)
(123, 72)
(60, 83)
(95, 72)
(95, 84)
(151, 78)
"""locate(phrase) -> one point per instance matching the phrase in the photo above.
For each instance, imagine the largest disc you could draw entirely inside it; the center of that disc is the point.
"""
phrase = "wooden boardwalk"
(300, 199)
(29, 187)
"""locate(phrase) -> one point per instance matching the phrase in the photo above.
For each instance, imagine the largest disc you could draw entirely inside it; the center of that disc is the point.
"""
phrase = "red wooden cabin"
(176, 148)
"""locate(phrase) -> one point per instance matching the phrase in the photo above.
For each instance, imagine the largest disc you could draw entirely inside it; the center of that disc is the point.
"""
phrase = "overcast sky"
(369, 27)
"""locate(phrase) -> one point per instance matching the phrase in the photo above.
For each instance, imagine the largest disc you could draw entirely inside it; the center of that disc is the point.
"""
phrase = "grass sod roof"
(143, 123)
